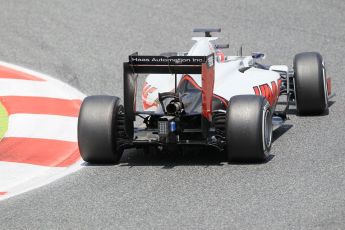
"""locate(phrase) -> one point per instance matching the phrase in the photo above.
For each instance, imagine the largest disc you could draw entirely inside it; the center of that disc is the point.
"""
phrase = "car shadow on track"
(293, 111)
(170, 160)
(280, 131)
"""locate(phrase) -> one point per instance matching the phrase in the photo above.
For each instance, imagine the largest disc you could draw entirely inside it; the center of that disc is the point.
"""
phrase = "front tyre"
(248, 129)
(100, 129)
(310, 84)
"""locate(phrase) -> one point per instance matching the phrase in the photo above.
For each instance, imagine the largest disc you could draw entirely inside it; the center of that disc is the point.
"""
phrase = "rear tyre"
(101, 129)
(248, 129)
(310, 84)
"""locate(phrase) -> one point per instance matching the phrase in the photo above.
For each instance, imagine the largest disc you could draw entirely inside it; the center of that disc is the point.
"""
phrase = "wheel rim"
(295, 94)
(325, 89)
(267, 130)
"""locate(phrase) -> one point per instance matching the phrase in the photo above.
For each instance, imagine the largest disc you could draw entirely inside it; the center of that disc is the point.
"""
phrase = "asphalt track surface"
(85, 42)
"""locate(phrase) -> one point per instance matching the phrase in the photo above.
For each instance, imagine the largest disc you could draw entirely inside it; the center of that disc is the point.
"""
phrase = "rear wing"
(166, 65)
(136, 64)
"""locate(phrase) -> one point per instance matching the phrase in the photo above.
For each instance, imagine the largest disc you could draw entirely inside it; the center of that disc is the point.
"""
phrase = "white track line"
(43, 126)
(67, 89)
(35, 89)
(39, 176)
(14, 174)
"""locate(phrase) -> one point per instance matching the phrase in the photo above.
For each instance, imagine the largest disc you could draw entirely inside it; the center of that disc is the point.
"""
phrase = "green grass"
(3, 120)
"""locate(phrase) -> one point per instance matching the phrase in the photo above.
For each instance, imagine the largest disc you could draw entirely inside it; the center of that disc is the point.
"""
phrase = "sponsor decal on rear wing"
(168, 65)
(135, 59)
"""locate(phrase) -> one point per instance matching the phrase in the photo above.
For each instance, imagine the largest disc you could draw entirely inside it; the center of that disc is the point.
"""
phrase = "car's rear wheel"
(310, 84)
(248, 129)
(101, 129)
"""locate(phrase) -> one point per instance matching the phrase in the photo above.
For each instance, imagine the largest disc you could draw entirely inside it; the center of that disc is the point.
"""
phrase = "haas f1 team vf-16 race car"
(201, 98)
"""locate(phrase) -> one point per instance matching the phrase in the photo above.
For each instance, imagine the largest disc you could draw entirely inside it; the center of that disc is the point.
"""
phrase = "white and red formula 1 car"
(201, 98)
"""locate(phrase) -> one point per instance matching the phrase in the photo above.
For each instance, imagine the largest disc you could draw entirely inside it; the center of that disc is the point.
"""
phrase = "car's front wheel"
(248, 129)
(310, 84)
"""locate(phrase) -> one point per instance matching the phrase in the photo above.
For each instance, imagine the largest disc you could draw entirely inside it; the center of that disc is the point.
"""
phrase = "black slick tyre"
(248, 129)
(101, 129)
(310, 84)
